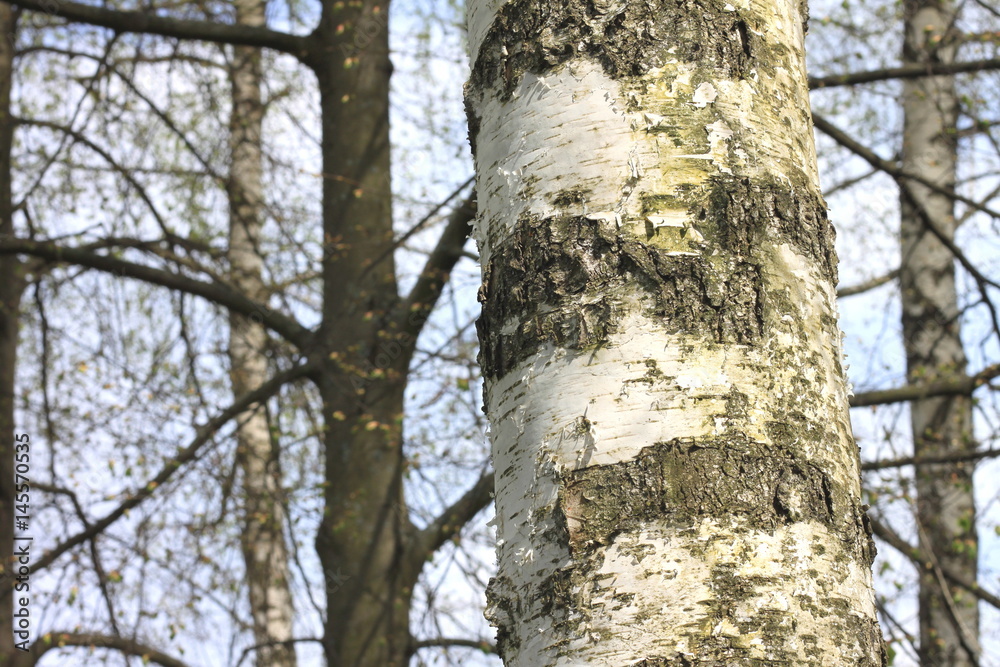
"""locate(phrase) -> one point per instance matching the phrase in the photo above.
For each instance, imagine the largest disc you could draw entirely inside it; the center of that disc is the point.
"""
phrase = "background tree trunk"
(676, 478)
(263, 541)
(363, 535)
(949, 618)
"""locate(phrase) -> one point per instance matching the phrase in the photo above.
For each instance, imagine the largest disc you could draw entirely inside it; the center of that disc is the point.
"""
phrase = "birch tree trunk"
(949, 618)
(265, 553)
(677, 482)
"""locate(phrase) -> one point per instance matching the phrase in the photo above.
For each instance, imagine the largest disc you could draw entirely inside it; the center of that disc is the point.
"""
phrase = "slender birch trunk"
(949, 618)
(11, 288)
(263, 541)
(677, 483)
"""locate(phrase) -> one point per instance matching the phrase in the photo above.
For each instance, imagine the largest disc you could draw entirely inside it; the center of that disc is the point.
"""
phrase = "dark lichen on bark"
(501, 610)
(740, 213)
(759, 487)
(568, 281)
(626, 38)
(675, 483)
(507, 608)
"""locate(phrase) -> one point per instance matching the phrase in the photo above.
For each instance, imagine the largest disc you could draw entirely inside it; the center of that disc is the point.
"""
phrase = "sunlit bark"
(677, 483)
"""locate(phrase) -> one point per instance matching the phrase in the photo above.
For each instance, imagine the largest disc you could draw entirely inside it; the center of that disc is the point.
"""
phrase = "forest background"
(138, 312)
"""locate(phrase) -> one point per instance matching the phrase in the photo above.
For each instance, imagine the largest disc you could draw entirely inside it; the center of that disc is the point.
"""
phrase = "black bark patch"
(566, 280)
(503, 613)
(627, 38)
(740, 213)
(474, 120)
(506, 608)
(675, 483)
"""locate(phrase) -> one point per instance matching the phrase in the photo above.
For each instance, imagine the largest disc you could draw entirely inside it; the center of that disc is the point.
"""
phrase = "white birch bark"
(949, 617)
(676, 479)
(265, 553)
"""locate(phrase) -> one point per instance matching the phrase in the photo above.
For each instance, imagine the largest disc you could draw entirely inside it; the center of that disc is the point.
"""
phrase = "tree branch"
(922, 460)
(288, 642)
(56, 640)
(415, 309)
(904, 72)
(451, 521)
(122, 171)
(421, 224)
(172, 465)
(869, 156)
(218, 293)
(957, 386)
(867, 285)
(152, 24)
(918, 558)
(446, 642)
(164, 249)
(903, 179)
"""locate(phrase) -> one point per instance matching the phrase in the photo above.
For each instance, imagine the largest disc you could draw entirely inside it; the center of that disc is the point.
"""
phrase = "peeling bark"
(677, 483)
(949, 619)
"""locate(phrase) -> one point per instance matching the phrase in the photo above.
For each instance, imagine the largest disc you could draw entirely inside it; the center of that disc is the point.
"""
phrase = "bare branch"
(918, 558)
(153, 24)
(904, 72)
(867, 285)
(923, 460)
(290, 642)
(421, 224)
(957, 386)
(451, 521)
(447, 642)
(163, 249)
(218, 293)
(57, 640)
(869, 156)
(904, 179)
(119, 169)
(183, 455)
(415, 309)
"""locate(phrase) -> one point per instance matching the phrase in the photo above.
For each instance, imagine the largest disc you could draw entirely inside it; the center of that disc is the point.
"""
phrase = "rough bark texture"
(11, 289)
(265, 553)
(949, 619)
(362, 538)
(676, 479)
